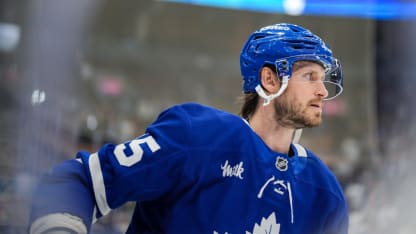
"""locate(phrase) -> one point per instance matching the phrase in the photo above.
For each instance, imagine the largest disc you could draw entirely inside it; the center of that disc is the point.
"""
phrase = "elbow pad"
(58, 223)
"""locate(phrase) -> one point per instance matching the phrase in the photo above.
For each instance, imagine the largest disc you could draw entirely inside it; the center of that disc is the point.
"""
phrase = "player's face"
(301, 104)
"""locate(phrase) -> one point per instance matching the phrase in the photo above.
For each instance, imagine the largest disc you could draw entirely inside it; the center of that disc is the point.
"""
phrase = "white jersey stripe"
(301, 150)
(94, 215)
(98, 184)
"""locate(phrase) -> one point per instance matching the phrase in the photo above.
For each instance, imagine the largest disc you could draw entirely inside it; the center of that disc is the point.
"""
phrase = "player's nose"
(321, 90)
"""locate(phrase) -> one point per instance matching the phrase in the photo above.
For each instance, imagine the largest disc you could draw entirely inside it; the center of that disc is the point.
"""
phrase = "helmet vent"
(294, 29)
(259, 37)
(297, 47)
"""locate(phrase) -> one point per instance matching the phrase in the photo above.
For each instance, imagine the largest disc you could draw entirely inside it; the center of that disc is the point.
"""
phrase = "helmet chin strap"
(268, 98)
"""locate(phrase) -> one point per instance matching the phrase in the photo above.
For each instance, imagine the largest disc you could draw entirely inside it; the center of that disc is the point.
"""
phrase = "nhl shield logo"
(281, 164)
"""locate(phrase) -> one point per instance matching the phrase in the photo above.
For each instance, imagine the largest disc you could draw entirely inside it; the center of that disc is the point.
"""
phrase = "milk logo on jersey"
(281, 163)
(235, 170)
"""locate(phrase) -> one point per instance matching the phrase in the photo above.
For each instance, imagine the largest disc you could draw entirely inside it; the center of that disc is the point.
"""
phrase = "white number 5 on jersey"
(136, 148)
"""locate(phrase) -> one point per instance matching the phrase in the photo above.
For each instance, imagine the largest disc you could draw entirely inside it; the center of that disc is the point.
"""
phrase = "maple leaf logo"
(268, 226)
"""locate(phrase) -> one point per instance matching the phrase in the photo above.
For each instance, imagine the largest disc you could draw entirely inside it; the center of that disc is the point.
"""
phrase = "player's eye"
(311, 76)
(307, 76)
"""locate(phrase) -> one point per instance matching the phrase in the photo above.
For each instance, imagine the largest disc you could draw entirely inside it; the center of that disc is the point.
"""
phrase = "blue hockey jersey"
(199, 170)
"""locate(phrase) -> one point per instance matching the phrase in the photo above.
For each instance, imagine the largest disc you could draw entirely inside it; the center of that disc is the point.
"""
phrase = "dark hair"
(250, 100)
(249, 105)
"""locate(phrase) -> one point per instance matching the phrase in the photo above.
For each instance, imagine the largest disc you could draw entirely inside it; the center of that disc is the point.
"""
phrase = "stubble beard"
(294, 115)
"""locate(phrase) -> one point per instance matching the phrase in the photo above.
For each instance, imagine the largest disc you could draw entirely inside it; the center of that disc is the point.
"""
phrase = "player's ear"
(269, 80)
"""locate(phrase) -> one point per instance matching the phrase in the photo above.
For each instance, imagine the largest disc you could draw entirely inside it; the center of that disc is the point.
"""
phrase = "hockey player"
(197, 169)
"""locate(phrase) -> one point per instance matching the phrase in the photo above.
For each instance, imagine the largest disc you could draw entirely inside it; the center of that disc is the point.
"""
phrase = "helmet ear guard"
(268, 98)
(282, 69)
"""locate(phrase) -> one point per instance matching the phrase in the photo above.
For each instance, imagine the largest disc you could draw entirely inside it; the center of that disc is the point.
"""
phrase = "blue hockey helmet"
(281, 45)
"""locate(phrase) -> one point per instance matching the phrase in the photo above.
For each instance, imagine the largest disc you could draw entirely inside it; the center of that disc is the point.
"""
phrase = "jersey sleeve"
(64, 190)
(146, 168)
(150, 167)
(338, 219)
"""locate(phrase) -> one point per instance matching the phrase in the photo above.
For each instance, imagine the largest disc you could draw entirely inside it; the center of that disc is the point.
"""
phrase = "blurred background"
(77, 74)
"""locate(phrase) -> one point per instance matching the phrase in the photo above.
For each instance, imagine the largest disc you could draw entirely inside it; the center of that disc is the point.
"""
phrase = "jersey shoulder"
(318, 174)
(193, 122)
(198, 113)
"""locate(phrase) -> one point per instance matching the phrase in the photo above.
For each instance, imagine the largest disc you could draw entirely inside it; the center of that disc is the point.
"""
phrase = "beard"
(291, 113)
